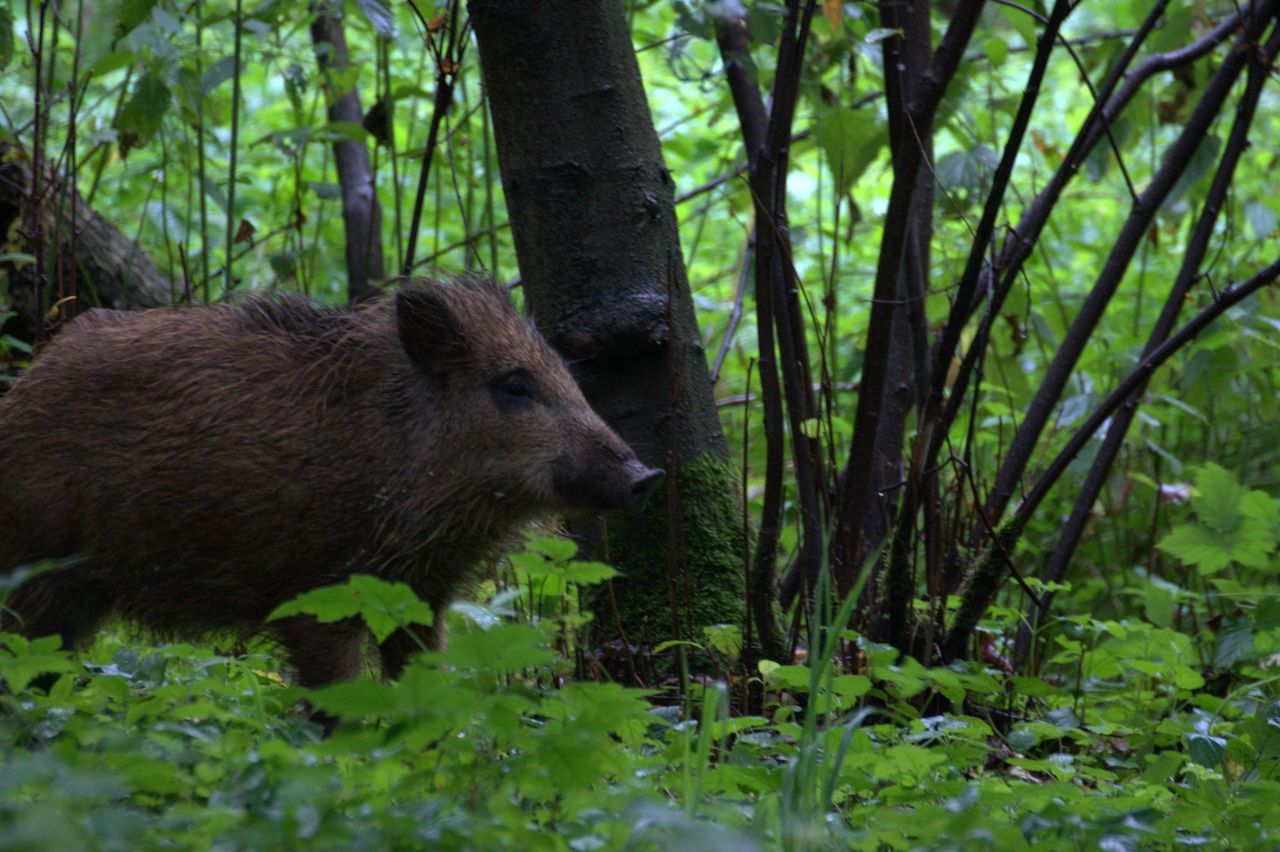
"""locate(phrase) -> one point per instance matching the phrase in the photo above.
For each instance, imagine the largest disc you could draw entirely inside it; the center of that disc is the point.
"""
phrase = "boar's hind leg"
(66, 602)
(322, 654)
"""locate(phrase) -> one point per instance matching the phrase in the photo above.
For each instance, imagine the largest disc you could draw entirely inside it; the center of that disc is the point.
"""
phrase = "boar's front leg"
(322, 653)
(406, 642)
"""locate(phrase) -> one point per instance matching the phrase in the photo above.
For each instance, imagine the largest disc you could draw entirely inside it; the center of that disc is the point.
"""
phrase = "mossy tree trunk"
(591, 207)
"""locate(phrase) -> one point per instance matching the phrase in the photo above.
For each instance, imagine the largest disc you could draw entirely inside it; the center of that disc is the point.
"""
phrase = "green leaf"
(23, 660)
(725, 639)
(879, 34)
(325, 191)
(355, 698)
(143, 113)
(1205, 750)
(132, 13)
(1202, 162)
(343, 131)
(997, 49)
(792, 678)
(552, 547)
(1261, 219)
(1233, 644)
(850, 687)
(1267, 615)
(222, 70)
(384, 606)
(384, 23)
(589, 573)
(1197, 545)
(852, 140)
(1163, 767)
(1217, 501)
(113, 61)
(1022, 23)
(502, 650)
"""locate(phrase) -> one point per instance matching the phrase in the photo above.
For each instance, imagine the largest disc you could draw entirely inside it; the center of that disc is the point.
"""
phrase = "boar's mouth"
(622, 485)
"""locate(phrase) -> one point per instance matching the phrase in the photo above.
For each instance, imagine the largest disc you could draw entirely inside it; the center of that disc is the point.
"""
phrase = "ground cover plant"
(952, 324)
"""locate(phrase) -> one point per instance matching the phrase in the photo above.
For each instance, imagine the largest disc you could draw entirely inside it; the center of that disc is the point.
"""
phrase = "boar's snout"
(643, 481)
(604, 478)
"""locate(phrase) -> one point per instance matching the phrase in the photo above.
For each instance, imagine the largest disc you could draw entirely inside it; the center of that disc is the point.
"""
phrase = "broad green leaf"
(1022, 23)
(1197, 545)
(879, 34)
(724, 638)
(384, 606)
(588, 573)
(23, 660)
(996, 49)
(222, 70)
(851, 140)
(1261, 218)
(1267, 615)
(130, 14)
(1233, 644)
(791, 677)
(384, 23)
(502, 650)
(552, 547)
(355, 698)
(1202, 162)
(1217, 502)
(850, 687)
(1205, 750)
(343, 131)
(143, 113)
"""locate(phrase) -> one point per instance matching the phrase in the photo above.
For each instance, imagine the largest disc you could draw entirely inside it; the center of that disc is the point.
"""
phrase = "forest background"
(966, 376)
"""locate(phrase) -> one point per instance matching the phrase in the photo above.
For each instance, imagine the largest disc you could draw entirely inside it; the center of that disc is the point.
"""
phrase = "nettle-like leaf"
(502, 650)
(1217, 501)
(21, 660)
(548, 556)
(384, 606)
(1198, 545)
(1233, 525)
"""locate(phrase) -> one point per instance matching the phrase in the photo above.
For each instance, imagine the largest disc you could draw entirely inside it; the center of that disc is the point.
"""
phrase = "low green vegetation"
(1149, 732)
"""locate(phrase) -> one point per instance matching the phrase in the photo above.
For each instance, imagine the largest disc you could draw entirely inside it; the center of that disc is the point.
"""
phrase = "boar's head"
(505, 406)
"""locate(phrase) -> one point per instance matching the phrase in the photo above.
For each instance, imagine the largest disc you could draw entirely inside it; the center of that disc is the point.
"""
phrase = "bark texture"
(591, 205)
(361, 212)
(95, 261)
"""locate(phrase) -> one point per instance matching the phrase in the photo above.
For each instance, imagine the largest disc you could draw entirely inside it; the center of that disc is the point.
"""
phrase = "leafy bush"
(486, 745)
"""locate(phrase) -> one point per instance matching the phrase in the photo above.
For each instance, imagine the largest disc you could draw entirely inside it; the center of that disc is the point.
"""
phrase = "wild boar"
(210, 463)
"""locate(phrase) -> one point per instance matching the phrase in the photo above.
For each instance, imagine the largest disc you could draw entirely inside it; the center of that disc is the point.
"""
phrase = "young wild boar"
(210, 463)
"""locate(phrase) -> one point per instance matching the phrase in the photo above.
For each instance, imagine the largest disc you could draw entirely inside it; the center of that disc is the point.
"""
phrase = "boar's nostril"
(644, 481)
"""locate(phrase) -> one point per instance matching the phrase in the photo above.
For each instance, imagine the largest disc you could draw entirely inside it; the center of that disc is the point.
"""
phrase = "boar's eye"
(514, 390)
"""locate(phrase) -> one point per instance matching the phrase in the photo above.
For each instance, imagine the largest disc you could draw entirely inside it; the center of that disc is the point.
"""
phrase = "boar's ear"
(429, 331)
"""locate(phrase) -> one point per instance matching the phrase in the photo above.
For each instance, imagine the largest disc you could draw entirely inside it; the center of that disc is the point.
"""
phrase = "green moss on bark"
(693, 570)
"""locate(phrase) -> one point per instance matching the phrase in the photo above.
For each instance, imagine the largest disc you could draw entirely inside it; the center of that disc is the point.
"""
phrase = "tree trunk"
(591, 208)
(361, 212)
(101, 265)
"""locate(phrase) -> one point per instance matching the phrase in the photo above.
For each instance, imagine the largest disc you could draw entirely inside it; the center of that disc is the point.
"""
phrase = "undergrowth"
(1155, 732)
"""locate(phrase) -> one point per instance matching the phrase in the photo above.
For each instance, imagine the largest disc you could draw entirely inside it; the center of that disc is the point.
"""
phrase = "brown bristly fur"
(211, 463)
